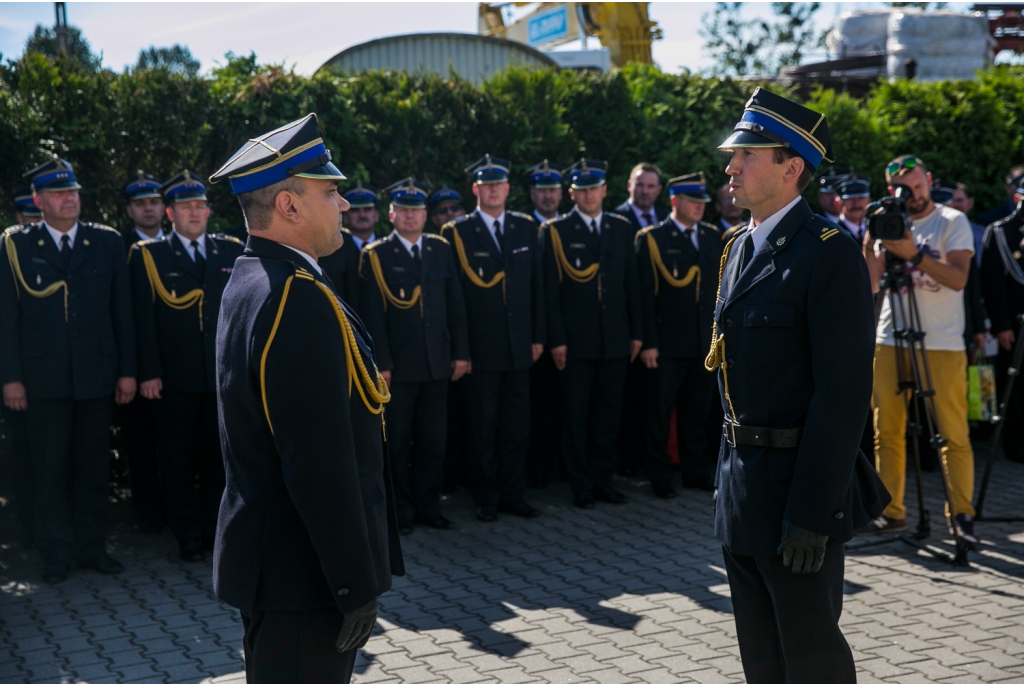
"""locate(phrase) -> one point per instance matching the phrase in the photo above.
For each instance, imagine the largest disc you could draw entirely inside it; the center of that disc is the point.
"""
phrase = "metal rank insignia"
(39, 279)
(401, 293)
(481, 270)
(675, 271)
(173, 294)
(781, 241)
(577, 262)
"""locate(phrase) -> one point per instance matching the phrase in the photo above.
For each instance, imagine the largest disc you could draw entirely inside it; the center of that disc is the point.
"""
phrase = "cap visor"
(327, 171)
(740, 139)
(587, 183)
(63, 185)
(142, 196)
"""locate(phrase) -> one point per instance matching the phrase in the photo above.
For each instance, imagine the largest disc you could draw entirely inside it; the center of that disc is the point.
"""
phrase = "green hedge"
(383, 126)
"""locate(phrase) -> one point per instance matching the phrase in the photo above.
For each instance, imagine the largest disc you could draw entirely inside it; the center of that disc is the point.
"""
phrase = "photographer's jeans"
(949, 376)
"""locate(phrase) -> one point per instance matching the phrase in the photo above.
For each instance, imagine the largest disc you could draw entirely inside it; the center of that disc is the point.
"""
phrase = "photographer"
(937, 249)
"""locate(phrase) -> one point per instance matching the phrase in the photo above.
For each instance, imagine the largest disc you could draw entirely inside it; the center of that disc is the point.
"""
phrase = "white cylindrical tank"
(859, 32)
(946, 45)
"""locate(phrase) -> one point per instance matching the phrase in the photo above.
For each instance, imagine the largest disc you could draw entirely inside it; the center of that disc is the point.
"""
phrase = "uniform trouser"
(949, 376)
(295, 647)
(19, 469)
(545, 420)
(1013, 414)
(591, 391)
(417, 417)
(787, 624)
(456, 458)
(70, 445)
(498, 408)
(190, 442)
(686, 385)
(138, 420)
(636, 404)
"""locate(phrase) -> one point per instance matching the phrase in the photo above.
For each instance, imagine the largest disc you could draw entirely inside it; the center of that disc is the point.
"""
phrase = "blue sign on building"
(548, 26)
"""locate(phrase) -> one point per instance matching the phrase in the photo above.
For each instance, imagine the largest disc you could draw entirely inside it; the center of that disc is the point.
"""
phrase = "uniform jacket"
(598, 318)
(417, 343)
(798, 326)
(342, 267)
(504, 320)
(624, 210)
(132, 237)
(677, 320)
(175, 344)
(1004, 297)
(76, 342)
(307, 516)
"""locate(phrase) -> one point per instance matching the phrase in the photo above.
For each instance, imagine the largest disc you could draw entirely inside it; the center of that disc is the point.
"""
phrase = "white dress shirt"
(57, 235)
(358, 243)
(692, 229)
(590, 220)
(143, 236)
(189, 249)
(760, 233)
(856, 231)
(308, 258)
(639, 213)
(408, 245)
(489, 222)
(541, 218)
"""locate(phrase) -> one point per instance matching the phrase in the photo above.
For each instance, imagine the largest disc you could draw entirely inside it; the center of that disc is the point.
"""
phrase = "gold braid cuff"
(12, 257)
(385, 292)
(460, 250)
(716, 355)
(156, 287)
(658, 266)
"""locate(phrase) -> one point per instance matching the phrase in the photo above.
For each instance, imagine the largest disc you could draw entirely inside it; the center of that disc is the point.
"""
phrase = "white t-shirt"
(941, 308)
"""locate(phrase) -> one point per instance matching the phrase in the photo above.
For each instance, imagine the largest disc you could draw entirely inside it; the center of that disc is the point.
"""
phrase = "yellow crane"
(624, 28)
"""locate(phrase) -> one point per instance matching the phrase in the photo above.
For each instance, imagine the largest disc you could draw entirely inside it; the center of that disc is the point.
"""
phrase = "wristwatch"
(916, 259)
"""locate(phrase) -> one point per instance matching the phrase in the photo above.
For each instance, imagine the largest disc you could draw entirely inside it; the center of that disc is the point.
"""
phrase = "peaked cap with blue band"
(361, 195)
(144, 185)
(546, 175)
(295, 149)
(770, 120)
(942, 191)
(587, 173)
(854, 185)
(24, 204)
(183, 187)
(831, 178)
(443, 196)
(53, 174)
(408, 193)
(691, 186)
(489, 169)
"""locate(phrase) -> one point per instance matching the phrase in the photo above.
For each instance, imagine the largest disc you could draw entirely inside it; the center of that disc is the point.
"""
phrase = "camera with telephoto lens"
(888, 218)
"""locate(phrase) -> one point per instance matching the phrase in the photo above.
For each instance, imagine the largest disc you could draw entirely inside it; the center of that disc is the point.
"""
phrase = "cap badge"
(781, 241)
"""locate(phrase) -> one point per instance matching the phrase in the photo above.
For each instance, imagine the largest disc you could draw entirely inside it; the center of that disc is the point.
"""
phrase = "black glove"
(803, 551)
(357, 627)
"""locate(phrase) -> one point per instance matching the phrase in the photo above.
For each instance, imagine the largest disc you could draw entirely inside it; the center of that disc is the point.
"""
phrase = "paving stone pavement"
(631, 593)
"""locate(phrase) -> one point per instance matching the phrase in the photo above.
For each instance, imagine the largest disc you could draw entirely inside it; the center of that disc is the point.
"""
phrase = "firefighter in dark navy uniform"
(678, 262)
(177, 284)
(138, 419)
(307, 536)
(411, 298)
(67, 354)
(594, 328)
(793, 343)
(342, 267)
(500, 268)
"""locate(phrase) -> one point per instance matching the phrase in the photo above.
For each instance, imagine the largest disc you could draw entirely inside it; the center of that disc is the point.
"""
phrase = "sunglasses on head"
(906, 163)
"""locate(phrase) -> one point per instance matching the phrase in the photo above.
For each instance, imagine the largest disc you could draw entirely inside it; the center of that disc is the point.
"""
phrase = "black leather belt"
(777, 438)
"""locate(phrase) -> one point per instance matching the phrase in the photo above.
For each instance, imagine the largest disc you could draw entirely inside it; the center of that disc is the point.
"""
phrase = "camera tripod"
(915, 383)
(998, 421)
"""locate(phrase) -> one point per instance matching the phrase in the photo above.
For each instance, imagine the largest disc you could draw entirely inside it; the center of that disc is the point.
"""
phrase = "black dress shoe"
(610, 495)
(439, 522)
(102, 563)
(486, 514)
(664, 490)
(404, 527)
(584, 500)
(191, 551)
(520, 509)
(55, 573)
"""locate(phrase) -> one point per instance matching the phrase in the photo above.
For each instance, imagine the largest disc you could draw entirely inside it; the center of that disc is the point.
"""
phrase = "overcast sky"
(308, 34)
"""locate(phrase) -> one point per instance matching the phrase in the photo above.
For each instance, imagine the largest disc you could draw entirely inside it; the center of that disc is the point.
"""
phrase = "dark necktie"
(649, 219)
(65, 249)
(748, 251)
(688, 234)
(200, 259)
(416, 255)
(497, 231)
(593, 227)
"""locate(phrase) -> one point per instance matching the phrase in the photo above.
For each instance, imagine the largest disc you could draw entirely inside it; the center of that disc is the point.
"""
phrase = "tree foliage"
(176, 59)
(44, 41)
(757, 47)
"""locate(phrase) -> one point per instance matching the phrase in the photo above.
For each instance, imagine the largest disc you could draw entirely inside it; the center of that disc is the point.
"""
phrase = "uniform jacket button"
(766, 319)
(838, 515)
(728, 322)
(343, 591)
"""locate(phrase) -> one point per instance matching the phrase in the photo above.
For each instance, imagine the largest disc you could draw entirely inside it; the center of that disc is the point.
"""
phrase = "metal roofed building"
(472, 56)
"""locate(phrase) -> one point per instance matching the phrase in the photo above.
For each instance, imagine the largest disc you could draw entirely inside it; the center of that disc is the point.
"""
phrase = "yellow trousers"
(949, 376)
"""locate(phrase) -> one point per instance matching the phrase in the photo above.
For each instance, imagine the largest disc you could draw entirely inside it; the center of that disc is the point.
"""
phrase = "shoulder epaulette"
(375, 243)
(104, 227)
(520, 215)
(229, 238)
(149, 241)
(710, 227)
(16, 227)
(436, 237)
(821, 227)
(642, 232)
(303, 274)
(616, 217)
(450, 224)
(345, 230)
